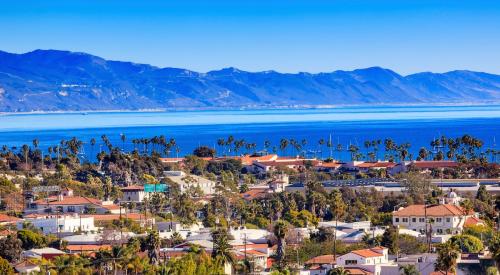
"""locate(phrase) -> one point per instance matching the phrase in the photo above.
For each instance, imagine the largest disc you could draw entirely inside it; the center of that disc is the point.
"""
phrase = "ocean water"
(347, 125)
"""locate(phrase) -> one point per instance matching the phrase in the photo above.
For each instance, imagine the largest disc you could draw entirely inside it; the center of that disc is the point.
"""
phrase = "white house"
(67, 203)
(133, 193)
(186, 182)
(441, 219)
(370, 259)
(52, 224)
(166, 229)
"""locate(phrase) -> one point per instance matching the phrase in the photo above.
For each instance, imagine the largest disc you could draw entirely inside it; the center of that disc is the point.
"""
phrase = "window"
(448, 220)
(440, 231)
(405, 219)
(397, 219)
(71, 208)
(351, 262)
(421, 219)
(413, 219)
(439, 219)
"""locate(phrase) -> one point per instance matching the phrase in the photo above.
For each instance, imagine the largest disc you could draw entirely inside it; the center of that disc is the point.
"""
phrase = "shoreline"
(254, 108)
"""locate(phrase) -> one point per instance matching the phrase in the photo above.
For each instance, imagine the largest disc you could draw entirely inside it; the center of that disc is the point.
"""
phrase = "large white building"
(186, 182)
(53, 224)
(441, 218)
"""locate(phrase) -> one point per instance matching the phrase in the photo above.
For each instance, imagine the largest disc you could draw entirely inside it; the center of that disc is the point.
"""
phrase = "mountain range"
(52, 80)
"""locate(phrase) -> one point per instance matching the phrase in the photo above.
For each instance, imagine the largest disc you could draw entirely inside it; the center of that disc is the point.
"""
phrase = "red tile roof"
(87, 247)
(328, 165)
(357, 271)
(254, 253)
(133, 188)
(8, 219)
(434, 164)
(367, 253)
(255, 193)
(69, 201)
(110, 217)
(323, 259)
(432, 210)
(471, 221)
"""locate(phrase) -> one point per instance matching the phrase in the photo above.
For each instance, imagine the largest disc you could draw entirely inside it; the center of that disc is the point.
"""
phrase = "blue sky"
(287, 36)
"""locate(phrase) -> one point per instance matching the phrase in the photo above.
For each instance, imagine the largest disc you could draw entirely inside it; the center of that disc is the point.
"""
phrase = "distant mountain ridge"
(51, 80)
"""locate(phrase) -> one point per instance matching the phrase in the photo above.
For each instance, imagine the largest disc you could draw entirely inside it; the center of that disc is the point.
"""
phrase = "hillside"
(49, 80)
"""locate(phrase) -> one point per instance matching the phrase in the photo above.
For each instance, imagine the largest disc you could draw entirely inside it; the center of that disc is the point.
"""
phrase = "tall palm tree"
(280, 231)
(337, 208)
(123, 138)
(448, 254)
(153, 246)
(321, 142)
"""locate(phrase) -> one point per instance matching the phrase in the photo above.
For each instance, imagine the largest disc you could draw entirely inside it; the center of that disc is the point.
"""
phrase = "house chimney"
(60, 197)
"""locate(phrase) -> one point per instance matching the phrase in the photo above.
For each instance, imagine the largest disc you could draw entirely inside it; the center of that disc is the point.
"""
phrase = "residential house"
(7, 220)
(53, 224)
(133, 193)
(67, 203)
(440, 219)
(47, 253)
(186, 182)
(372, 260)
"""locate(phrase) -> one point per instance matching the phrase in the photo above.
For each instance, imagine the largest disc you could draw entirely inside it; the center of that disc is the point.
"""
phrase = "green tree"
(153, 247)
(72, 264)
(409, 270)
(448, 254)
(483, 195)
(280, 231)
(494, 248)
(222, 248)
(31, 239)
(5, 267)
(467, 243)
(338, 271)
(204, 152)
(10, 248)
(390, 239)
(337, 208)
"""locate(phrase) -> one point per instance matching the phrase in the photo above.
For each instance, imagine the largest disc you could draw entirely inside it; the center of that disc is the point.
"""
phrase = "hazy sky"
(287, 36)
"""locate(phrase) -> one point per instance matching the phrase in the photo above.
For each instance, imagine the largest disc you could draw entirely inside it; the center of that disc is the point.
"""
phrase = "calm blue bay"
(416, 125)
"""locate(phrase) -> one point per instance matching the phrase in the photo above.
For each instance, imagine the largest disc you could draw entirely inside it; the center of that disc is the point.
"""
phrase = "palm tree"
(25, 151)
(280, 231)
(409, 270)
(221, 247)
(123, 138)
(494, 248)
(283, 145)
(221, 142)
(338, 271)
(337, 208)
(448, 254)
(321, 142)
(153, 247)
